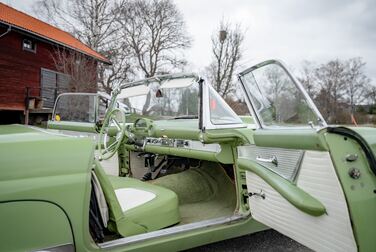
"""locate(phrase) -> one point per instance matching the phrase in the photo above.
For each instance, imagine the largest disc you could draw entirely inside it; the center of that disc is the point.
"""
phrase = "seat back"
(115, 209)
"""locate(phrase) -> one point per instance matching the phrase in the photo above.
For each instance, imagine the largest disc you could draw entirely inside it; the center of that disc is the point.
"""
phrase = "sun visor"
(133, 91)
(178, 83)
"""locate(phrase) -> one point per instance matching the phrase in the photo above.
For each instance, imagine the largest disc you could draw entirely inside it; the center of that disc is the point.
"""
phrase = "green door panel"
(72, 126)
(301, 139)
(296, 196)
(33, 225)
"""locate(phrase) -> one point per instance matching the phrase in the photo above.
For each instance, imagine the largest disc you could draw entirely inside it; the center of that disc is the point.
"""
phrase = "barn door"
(62, 83)
(53, 84)
(48, 88)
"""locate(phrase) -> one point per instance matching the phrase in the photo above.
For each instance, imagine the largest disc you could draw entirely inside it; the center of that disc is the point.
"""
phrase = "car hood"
(15, 129)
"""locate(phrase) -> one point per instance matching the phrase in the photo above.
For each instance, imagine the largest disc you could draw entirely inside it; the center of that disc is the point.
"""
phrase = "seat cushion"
(130, 198)
(147, 205)
(118, 223)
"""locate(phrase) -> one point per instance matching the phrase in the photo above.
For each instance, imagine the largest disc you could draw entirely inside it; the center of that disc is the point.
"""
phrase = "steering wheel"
(113, 125)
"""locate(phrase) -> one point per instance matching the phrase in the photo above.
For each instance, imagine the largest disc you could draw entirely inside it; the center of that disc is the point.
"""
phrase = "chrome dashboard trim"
(181, 143)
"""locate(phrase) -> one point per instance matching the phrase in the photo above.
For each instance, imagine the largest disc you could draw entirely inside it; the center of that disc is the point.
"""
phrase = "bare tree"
(308, 78)
(371, 94)
(356, 82)
(80, 68)
(155, 33)
(93, 22)
(331, 78)
(227, 51)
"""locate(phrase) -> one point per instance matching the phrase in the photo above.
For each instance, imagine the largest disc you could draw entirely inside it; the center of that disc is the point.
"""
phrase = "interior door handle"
(272, 160)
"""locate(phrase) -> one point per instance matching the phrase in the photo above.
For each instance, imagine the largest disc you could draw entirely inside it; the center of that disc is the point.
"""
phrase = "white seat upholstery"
(101, 200)
(129, 198)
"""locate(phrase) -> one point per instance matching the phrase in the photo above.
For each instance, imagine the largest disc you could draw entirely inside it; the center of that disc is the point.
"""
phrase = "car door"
(291, 181)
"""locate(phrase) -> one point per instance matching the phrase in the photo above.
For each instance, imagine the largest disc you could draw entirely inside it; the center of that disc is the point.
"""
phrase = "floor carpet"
(204, 193)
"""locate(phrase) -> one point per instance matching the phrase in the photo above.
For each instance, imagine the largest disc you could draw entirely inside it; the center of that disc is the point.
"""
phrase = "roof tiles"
(28, 23)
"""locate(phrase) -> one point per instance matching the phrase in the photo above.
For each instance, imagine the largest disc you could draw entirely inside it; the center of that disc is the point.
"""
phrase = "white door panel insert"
(317, 177)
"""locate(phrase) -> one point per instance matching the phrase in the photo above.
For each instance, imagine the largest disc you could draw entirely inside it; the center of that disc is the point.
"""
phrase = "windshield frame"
(320, 123)
(158, 78)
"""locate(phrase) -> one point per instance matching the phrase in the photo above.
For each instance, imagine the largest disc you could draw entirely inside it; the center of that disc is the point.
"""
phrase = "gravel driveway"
(269, 240)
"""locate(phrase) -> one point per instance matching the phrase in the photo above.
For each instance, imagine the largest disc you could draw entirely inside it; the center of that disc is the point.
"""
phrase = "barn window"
(29, 45)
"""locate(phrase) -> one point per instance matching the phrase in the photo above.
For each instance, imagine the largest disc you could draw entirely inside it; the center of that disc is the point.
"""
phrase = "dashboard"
(170, 135)
(180, 143)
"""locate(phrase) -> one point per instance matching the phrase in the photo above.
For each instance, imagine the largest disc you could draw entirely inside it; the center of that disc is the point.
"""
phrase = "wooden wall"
(20, 69)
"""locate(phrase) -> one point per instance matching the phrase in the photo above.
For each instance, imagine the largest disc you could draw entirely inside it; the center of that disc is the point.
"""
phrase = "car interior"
(137, 190)
(192, 191)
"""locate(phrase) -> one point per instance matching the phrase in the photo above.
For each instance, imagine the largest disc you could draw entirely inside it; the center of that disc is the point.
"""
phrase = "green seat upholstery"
(159, 211)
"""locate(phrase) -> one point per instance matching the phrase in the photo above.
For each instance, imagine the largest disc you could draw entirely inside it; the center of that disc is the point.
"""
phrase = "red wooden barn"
(29, 80)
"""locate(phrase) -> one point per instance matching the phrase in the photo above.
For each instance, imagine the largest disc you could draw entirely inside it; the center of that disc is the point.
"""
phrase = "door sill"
(172, 231)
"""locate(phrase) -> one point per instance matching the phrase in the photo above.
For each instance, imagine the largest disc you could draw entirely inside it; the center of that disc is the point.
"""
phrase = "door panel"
(284, 162)
(329, 232)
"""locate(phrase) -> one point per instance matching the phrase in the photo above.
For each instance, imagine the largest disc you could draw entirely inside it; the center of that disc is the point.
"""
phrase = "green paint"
(301, 139)
(360, 193)
(73, 126)
(37, 224)
(36, 166)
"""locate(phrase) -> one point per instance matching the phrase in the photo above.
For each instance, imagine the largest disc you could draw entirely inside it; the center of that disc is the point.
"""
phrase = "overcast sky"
(290, 30)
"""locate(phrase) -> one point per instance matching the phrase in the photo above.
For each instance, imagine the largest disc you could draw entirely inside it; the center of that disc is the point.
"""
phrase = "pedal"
(147, 176)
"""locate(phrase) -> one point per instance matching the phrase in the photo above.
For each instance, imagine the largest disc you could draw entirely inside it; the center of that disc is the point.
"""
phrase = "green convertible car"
(164, 164)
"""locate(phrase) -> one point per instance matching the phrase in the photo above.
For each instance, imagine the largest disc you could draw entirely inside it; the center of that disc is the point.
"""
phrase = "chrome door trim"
(69, 247)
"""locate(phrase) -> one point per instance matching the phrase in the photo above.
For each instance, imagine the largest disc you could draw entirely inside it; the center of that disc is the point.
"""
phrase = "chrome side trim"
(59, 248)
(172, 231)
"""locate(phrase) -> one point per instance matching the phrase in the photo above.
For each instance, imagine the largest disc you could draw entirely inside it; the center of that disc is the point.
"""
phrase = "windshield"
(75, 108)
(276, 98)
(169, 99)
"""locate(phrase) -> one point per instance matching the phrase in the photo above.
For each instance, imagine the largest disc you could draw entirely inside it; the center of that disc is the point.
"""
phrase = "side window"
(238, 101)
(75, 108)
(277, 99)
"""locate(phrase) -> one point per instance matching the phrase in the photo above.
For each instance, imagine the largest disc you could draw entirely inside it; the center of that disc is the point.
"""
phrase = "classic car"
(175, 167)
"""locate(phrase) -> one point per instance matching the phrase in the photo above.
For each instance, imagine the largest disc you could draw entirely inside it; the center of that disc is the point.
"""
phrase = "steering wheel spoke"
(111, 120)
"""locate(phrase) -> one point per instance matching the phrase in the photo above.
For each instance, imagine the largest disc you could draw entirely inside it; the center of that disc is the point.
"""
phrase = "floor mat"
(204, 193)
